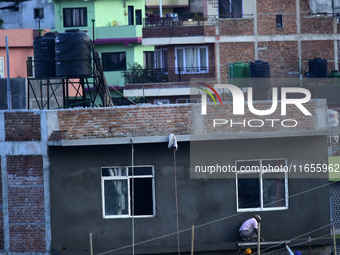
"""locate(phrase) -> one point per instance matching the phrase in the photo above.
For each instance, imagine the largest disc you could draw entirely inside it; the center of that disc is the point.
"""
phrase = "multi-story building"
(286, 34)
(32, 14)
(115, 28)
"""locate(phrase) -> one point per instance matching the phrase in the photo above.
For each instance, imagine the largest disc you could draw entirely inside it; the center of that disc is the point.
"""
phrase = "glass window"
(114, 61)
(75, 17)
(230, 9)
(128, 191)
(192, 59)
(262, 185)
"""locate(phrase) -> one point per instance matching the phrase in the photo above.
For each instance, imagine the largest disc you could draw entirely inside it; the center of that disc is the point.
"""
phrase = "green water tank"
(239, 74)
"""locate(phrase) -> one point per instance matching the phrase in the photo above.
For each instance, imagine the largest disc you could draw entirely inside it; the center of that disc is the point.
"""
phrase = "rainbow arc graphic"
(210, 94)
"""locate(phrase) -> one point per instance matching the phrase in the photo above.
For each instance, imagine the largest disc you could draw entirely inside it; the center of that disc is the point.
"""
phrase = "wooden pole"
(334, 240)
(192, 239)
(91, 245)
(258, 238)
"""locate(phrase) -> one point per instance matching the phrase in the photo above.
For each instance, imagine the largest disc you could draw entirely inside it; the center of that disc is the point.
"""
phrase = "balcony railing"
(188, 21)
(182, 74)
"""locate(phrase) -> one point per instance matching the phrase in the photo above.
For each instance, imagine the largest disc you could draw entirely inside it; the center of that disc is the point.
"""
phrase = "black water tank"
(73, 55)
(317, 68)
(44, 55)
(259, 69)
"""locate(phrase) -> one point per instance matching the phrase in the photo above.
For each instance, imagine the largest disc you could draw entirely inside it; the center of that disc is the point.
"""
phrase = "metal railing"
(133, 76)
(189, 20)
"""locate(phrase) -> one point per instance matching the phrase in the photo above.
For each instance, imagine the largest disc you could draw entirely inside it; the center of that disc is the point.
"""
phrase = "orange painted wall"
(20, 42)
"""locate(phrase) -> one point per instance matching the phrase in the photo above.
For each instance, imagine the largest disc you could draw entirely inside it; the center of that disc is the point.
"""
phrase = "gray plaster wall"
(209, 204)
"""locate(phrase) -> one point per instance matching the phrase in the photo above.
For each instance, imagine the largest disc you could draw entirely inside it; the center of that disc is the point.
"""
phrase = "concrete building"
(68, 173)
(33, 14)
(286, 34)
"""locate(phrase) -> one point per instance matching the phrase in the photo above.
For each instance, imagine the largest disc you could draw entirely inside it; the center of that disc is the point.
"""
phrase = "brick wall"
(276, 6)
(26, 203)
(234, 52)
(174, 31)
(236, 27)
(282, 56)
(158, 120)
(22, 126)
(317, 49)
(266, 24)
(132, 121)
(316, 25)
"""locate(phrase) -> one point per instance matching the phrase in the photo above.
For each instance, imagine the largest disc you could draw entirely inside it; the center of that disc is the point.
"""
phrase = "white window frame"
(186, 69)
(261, 173)
(187, 100)
(161, 101)
(127, 178)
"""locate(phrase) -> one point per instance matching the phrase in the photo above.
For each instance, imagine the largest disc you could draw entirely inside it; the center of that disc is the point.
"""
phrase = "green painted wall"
(334, 174)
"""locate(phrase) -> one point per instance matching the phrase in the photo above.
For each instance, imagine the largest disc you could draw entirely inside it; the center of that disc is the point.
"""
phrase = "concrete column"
(46, 169)
(336, 45)
(298, 32)
(4, 183)
(217, 50)
(255, 31)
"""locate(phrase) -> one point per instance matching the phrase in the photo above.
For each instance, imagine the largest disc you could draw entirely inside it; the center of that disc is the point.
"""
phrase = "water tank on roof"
(259, 69)
(239, 74)
(73, 54)
(317, 68)
(44, 55)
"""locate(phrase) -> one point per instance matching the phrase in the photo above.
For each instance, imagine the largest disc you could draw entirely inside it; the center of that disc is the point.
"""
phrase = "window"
(130, 15)
(279, 20)
(148, 59)
(261, 185)
(30, 67)
(118, 183)
(230, 8)
(161, 59)
(138, 17)
(114, 61)
(75, 17)
(38, 13)
(192, 59)
(186, 100)
(161, 101)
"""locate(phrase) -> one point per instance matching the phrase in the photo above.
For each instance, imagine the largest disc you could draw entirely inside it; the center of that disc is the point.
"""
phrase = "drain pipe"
(9, 94)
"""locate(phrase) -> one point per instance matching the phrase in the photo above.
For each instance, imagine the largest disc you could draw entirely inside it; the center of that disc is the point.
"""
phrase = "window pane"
(180, 59)
(116, 197)
(248, 188)
(119, 171)
(143, 197)
(114, 61)
(165, 59)
(273, 190)
(139, 170)
(203, 59)
(75, 17)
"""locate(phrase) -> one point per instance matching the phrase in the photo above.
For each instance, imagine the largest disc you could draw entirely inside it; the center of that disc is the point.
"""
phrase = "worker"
(246, 251)
(249, 229)
(290, 251)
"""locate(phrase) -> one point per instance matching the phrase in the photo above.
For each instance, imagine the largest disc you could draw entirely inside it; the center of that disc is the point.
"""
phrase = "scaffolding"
(69, 91)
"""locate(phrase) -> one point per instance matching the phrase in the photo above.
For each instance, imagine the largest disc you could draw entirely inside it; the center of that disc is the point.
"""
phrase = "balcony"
(184, 74)
(197, 26)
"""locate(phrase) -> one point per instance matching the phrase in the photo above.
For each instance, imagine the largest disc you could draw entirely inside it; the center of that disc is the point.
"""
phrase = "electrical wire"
(218, 220)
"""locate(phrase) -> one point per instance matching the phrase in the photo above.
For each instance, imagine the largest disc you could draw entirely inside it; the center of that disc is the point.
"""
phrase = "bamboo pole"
(192, 239)
(91, 244)
(334, 240)
(258, 238)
